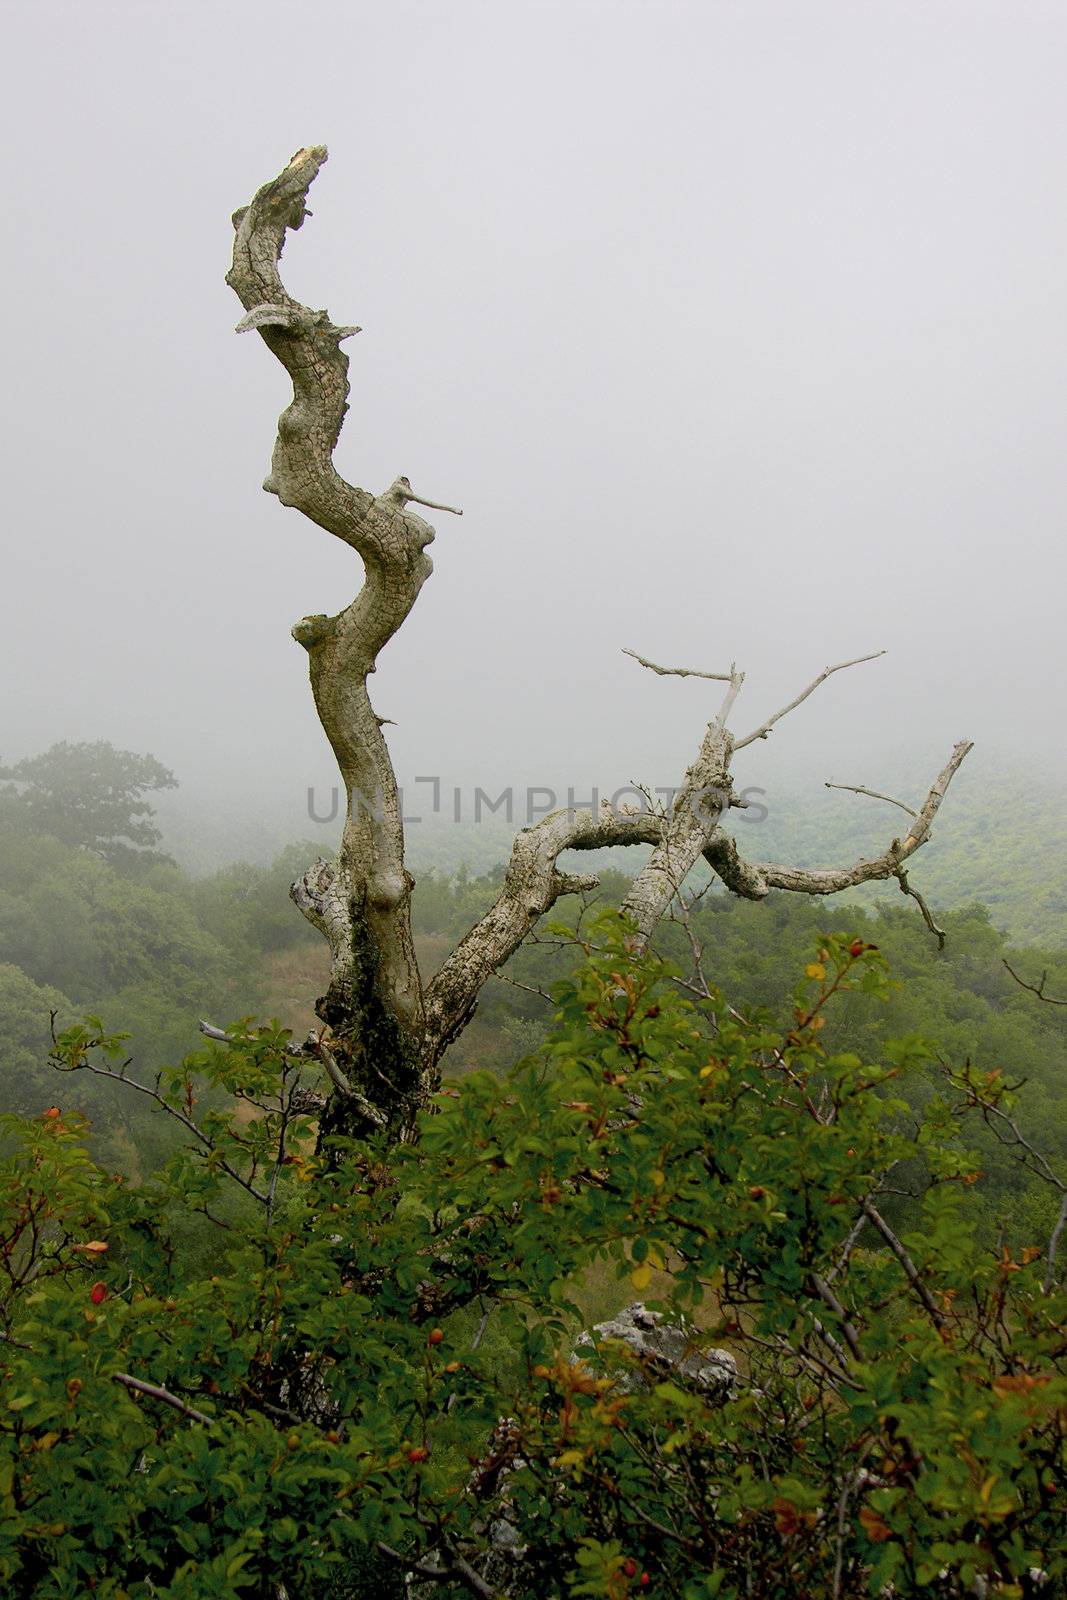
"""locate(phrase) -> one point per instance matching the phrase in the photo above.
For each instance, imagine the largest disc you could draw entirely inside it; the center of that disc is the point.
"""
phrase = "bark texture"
(384, 1030)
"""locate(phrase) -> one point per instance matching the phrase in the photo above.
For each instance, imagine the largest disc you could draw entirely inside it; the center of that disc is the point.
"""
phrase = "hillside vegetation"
(151, 949)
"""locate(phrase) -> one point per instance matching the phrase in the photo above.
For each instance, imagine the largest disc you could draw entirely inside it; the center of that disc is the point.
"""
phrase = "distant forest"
(128, 935)
(1002, 838)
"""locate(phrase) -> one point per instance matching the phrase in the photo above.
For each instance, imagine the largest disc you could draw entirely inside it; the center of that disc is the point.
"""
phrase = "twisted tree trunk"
(385, 1031)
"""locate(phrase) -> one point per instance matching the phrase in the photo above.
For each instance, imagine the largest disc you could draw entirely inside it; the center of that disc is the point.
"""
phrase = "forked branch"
(832, 880)
(1037, 988)
(532, 885)
(384, 1027)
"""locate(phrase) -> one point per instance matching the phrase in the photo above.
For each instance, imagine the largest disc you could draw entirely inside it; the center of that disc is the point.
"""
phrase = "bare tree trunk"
(384, 1030)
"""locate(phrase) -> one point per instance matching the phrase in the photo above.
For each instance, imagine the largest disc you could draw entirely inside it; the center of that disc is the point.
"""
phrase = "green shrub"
(316, 1404)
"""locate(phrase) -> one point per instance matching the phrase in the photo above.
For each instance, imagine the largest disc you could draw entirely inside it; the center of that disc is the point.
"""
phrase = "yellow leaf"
(815, 969)
(94, 1247)
(657, 1179)
(641, 1276)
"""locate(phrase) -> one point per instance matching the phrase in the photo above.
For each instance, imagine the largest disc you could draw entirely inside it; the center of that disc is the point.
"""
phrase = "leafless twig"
(1036, 988)
(1007, 1132)
(681, 912)
(832, 880)
(857, 788)
(171, 1111)
(938, 933)
(527, 988)
(682, 672)
(313, 1049)
(765, 727)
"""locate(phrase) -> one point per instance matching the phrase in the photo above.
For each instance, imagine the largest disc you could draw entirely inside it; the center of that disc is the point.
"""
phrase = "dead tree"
(385, 1029)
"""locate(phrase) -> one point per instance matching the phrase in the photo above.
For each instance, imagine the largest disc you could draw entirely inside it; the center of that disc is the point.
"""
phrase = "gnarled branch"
(532, 885)
(361, 903)
(831, 880)
(705, 794)
(384, 1027)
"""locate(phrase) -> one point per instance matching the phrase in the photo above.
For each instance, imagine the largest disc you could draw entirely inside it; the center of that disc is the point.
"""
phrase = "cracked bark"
(360, 902)
(384, 1030)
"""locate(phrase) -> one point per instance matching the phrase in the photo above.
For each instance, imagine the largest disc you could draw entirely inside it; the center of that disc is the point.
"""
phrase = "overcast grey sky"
(737, 328)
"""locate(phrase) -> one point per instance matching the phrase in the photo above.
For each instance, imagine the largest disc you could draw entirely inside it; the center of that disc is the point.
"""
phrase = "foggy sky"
(737, 329)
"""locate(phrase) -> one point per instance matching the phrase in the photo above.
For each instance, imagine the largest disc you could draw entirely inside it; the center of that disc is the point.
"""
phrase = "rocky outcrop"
(663, 1349)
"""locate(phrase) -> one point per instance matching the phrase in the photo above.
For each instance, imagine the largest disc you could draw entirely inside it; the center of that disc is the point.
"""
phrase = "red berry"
(434, 1336)
(629, 1566)
(644, 1580)
(98, 1293)
(418, 1454)
(857, 947)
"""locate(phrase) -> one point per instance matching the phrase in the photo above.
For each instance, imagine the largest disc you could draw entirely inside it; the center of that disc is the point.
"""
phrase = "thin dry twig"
(682, 672)
(164, 1106)
(1036, 988)
(906, 888)
(857, 788)
(1030, 1158)
(765, 727)
(527, 988)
